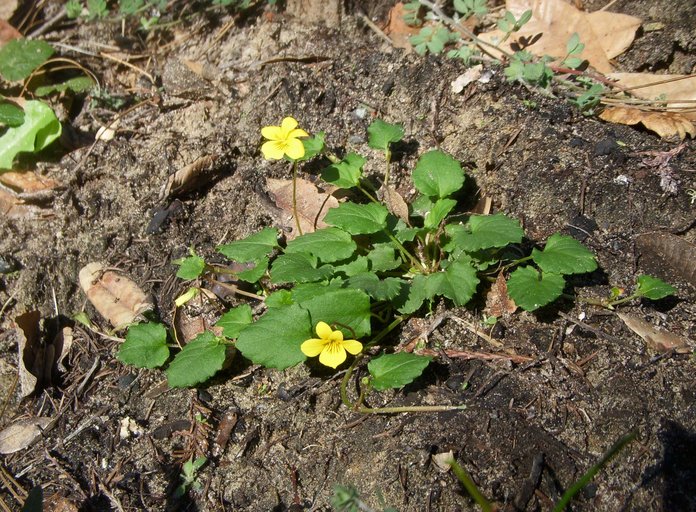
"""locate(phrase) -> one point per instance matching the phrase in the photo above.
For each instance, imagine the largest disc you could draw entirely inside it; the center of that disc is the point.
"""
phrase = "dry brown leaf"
(665, 124)
(115, 297)
(658, 340)
(58, 503)
(27, 183)
(22, 434)
(554, 22)
(441, 460)
(31, 352)
(7, 31)
(498, 302)
(63, 343)
(312, 204)
(395, 202)
(671, 250)
(397, 29)
(189, 178)
(679, 90)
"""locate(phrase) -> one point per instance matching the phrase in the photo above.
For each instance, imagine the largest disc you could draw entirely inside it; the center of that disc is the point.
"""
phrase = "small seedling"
(189, 476)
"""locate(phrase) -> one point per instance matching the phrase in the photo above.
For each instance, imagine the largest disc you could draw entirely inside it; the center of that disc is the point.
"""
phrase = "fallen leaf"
(7, 31)
(679, 91)
(11, 207)
(28, 184)
(665, 124)
(58, 503)
(115, 297)
(498, 302)
(615, 31)
(658, 340)
(31, 352)
(671, 250)
(395, 203)
(22, 434)
(470, 75)
(63, 343)
(312, 204)
(441, 460)
(397, 29)
(189, 178)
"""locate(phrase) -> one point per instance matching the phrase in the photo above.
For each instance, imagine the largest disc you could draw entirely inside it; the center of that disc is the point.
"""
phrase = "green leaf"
(392, 371)
(564, 255)
(653, 288)
(358, 219)
(40, 128)
(458, 282)
(235, 320)
(190, 268)
(252, 248)
(77, 84)
(344, 308)
(421, 205)
(484, 232)
(11, 114)
(298, 268)
(279, 299)
(308, 291)
(97, 9)
(199, 360)
(574, 45)
(252, 275)
(345, 174)
(438, 212)
(415, 295)
(353, 267)
(383, 257)
(274, 340)
(328, 244)
(531, 290)
(438, 174)
(380, 134)
(378, 289)
(145, 346)
(313, 146)
(20, 57)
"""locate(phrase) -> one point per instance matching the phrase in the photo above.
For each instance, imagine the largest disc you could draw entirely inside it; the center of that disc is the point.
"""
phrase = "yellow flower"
(330, 347)
(283, 140)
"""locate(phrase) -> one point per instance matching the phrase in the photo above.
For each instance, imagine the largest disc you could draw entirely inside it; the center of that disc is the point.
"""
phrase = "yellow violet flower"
(330, 346)
(283, 140)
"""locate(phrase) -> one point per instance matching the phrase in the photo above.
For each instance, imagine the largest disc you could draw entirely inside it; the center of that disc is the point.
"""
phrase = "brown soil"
(291, 440)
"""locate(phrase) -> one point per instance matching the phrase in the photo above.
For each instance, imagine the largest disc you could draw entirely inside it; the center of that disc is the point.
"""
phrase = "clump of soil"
(282, 440)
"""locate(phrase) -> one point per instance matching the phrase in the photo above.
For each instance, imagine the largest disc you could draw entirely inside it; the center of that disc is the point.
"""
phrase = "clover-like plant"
(356, 280)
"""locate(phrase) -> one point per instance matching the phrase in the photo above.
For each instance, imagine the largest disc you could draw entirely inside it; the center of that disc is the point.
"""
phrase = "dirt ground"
(529, 430)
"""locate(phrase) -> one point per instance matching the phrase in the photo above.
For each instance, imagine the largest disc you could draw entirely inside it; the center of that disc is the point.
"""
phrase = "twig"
(49, 24)
(375, 28)
(587, 327)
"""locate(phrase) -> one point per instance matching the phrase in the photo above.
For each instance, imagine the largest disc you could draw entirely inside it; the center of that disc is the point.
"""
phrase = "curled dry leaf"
(31, 352)
(312, 204)
(29, 185)
(189, 178)
(397, 29)
(441, 460)
(115, 297)
(671, 250)
(677, 91)
(22, 434)
(395, 202)
(658, 340)
(665, 124)
(498, 302)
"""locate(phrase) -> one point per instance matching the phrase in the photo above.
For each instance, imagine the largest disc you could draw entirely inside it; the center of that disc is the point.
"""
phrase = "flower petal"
(272, 132)
(352, 346)
(297, 133)
(294, 148)
(336, 336)
(332, 355)
(272, 150)
(313, 347)
(287, 125)
(324, 330)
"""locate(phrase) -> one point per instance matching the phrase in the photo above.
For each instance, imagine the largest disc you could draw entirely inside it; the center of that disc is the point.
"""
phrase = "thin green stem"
(368, 195)
(387, 157)
(470, 486)
(294, 197)
(516, 262)
(414, 261)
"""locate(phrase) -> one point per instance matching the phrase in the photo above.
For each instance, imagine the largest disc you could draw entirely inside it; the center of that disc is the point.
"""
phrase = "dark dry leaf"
(22, 434)
(395, 203)
(31, 351)
(674, 251)
(498, 302)
(658, 340)
(193, 176)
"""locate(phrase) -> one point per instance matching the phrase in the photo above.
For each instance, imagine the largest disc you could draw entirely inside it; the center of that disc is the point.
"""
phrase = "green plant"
(346, 498)
(189, 476)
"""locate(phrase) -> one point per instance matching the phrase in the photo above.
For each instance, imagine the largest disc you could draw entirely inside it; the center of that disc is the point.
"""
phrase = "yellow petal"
(272, 150)
(272, 132)
(352, 346)
(336, 336)
(297, 133)
(313, 347)
(287, 125)
(294, 148)
(324, 330)
(332, 355)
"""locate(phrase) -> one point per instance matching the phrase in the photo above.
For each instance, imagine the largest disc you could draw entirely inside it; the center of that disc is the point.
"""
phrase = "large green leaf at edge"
(396, 370)
(485, 231)
(437, 174)
(653, 288)
(328, 244)
(298, 268)
(345, 174)
(458, 282)
(252, 248)
(199, 360)
(20, 57)
(564, 255)
(40, 128)
(380, 134)
(531, 290)
(347, 307)
(274, 340)
(145, 346)
(235, 320)
(358, 219)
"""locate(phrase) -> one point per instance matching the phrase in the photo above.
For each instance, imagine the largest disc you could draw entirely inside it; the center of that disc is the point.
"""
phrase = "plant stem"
(516, 262)
(414, 261)
(470, 486)
(294, 197)
(368, 195)
(387, 157)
